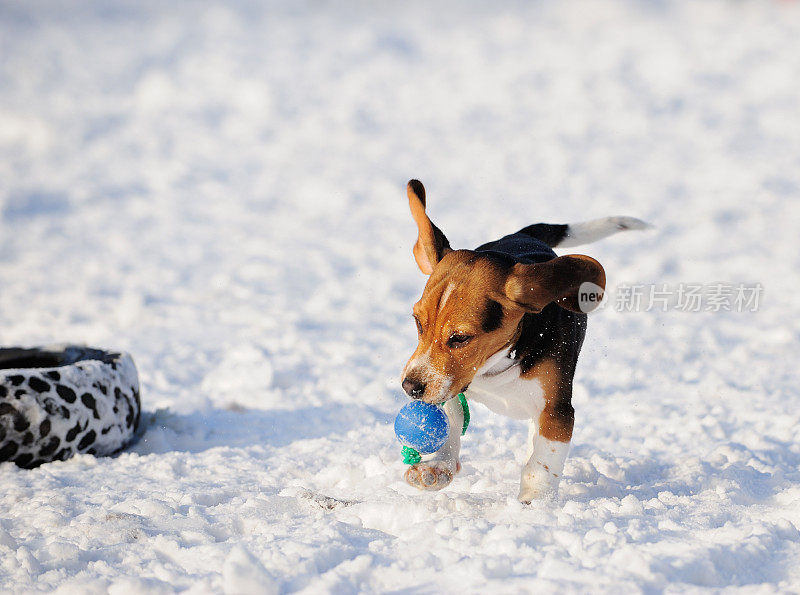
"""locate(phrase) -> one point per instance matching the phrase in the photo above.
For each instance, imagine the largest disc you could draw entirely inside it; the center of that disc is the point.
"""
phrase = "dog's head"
(473, 303)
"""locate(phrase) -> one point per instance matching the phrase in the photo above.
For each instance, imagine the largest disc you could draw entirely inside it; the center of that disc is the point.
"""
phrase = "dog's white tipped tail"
(587, 232)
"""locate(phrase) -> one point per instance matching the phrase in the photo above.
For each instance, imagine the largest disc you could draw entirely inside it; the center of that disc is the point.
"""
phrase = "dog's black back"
(554, 332)
(521, 247)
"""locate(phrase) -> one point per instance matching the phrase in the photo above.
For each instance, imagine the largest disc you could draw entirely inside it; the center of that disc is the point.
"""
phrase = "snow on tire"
(60, 400)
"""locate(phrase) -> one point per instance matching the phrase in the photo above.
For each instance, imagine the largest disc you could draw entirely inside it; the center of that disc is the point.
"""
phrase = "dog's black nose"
(413, 388)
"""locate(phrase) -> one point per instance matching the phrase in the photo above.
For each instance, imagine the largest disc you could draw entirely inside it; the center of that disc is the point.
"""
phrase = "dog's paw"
(431, 476)
(528, 495)
(537, 488)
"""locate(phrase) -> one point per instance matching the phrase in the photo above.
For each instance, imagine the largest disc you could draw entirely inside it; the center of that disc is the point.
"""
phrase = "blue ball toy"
(422, 426)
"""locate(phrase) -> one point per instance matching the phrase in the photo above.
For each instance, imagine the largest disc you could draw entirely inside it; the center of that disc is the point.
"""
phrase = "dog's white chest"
(498, 386)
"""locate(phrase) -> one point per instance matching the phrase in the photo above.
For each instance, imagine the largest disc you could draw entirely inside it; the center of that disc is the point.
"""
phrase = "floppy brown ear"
(575, 282)
(431, 244)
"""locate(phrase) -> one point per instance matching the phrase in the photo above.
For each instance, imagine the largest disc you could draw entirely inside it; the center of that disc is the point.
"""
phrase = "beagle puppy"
(504, 324)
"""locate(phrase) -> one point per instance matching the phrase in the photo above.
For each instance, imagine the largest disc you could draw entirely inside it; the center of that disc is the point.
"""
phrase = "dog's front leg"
(437, 470)
(542, 473)
(551, 432)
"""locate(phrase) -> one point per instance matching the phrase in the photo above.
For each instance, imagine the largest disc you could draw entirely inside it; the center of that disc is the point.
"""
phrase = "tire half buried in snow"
(65, 399)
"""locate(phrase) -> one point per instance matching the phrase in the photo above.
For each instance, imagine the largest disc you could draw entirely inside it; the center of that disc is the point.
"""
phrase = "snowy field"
(220, 190)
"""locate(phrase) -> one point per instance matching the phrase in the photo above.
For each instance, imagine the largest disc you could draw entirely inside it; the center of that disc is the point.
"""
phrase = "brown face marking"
(456, 305)
(557, 418)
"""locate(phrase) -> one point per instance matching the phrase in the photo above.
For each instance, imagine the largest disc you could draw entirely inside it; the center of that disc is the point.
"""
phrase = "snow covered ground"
(220, 191)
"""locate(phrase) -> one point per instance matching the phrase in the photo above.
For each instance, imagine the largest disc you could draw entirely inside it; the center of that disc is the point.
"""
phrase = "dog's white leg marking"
(437, 470)
(533, 432)
(542, 473)
(449, 452)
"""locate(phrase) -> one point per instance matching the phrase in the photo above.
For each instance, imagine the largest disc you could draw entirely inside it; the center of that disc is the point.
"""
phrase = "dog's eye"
(419, 325)
(457, 340)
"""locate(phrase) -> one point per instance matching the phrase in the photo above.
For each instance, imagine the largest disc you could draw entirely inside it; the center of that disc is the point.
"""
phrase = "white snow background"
(220, 190)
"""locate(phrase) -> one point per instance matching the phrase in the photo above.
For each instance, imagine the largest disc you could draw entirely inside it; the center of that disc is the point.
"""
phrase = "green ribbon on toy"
(412, 457)
(463, 400)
